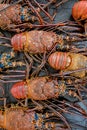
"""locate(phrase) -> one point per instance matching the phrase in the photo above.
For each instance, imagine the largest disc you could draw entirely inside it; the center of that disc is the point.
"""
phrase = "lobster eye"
(18, 41)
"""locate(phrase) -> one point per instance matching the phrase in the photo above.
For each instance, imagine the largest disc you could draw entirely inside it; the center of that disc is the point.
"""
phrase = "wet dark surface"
(63, 14)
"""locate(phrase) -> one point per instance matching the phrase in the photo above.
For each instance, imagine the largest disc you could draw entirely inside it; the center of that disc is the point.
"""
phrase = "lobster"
(15, 17)
(6, 61)
(25, 119)
(68, 61)
(39, 41)
(79, 13)
(40, 88)
(44, 88)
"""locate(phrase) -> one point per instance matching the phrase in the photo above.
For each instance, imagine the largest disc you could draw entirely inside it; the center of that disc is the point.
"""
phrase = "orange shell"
(34, 41)
(79, 11)
(58, 60)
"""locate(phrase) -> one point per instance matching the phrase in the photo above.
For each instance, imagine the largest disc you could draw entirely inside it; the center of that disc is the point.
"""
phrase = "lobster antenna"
(57, 113)
(2, 37)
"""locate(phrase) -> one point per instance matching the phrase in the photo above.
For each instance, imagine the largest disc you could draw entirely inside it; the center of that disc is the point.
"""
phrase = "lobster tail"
(18, 90)
(79, 10)
(40, 88)
(58, 60)
(18, 41)
(34, 41)
(79, 13)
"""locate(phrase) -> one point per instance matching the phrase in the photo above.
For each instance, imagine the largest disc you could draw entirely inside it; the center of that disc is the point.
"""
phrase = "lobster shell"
(68, 62)
(79, 13)
(34, 41)
(17, 119)
(9, 16)
(40, 88)
(58, 60)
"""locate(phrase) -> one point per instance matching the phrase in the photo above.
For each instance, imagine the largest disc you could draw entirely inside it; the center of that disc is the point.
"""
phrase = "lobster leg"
(28, 67)
(57, 114)
(63, 1)
(43, 10)
(16, 28)
(40, 66)
(60, 108)
(68, 72)
(38, 105)
(80, 110)
(15, 71)
(34, 10)
(46, 5)
(35, 58)
(85, 26)
(12, 27)
(79, 96)
(10, 81)
(10, 76)
(1, 88)
(3, 99)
